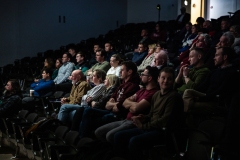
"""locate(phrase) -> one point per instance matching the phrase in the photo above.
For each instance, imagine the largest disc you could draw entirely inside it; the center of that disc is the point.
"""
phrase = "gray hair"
(207, 38)
(230, 37)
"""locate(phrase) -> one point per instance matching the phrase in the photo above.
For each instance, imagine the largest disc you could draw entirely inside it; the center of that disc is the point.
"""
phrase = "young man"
(101, 62)
(190, 78)
(136, 104)
(109, 49)
(93, 118)
(41, 88)
(72, 51)
(140, 55)
(166, 111)
(65, 70)
(81, 62)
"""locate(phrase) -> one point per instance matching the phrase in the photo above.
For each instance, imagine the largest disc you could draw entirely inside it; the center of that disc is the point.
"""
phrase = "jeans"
(67, 112)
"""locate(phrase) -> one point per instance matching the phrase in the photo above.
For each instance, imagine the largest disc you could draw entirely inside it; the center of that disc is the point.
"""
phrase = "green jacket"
(196, 76)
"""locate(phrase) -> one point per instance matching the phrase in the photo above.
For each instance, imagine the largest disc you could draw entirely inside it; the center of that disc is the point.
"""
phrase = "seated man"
(109, 50)
(65, 70)
(79, 88)
(190, 78)
(93, 118)
(140, 54)
(82, 64)
(160, 60)
(136, 104)
(101, 62)
(222, 81)
(41, 88)
(166, 111)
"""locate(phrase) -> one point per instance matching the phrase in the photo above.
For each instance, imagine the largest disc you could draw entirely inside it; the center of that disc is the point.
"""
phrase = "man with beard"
(223, 81)
(139, 103)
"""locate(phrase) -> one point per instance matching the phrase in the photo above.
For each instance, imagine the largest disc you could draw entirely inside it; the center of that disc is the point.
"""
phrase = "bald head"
(161, 58)
(77, 75)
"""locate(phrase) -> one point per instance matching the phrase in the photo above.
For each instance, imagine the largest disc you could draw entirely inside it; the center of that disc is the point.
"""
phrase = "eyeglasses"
(142, 74)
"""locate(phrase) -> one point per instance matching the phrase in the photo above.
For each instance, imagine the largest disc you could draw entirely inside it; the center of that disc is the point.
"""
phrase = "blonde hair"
(152, 46)
(113, 80)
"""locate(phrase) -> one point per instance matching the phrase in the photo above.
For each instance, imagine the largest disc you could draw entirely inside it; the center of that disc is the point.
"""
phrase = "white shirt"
(115, 71)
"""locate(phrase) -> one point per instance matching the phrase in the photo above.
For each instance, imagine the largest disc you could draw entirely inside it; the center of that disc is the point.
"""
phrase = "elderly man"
(160, 60)
(79, 88)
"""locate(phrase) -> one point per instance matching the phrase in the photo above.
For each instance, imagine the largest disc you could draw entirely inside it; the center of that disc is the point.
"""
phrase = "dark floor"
(7, 153)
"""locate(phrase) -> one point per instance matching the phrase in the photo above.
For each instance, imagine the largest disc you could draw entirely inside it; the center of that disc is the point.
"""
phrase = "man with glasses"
(139, 103)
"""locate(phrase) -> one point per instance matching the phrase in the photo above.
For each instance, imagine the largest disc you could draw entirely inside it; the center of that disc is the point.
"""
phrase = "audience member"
(222, 81)
(166, 111)
(148, 59)
(159, 34)
(200, 21)
(65, 70)
(136, 104)
(81, 62)
(101, 62)
(93, 118)
(58, 64)
(189, 77)
(109, 50)
(41, 88)
(79, 88)
(208, 25)
(72, 52)
(10, 102)
(160, 60)
(48, 63)
(111, 83)
(115, 62)
(92, 57)
(140, 55)
(236, 32)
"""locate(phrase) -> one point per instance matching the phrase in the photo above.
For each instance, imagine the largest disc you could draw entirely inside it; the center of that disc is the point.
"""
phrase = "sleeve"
(9, 104)
(67, 73)
(103, 100)
(43, 86)
(96, 92)
(158, 122)
(126, 92)
(79, 93)
(200, 77)
(105, 66)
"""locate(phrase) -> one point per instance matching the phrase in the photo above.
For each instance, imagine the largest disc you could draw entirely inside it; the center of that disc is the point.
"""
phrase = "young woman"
(58, 64)
(111, 83)
(115, 62)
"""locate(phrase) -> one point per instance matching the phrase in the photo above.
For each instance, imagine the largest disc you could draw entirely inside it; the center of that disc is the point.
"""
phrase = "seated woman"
(10, 102)
(66, 113)
(58, 64)
(111, 83)
(115, 62)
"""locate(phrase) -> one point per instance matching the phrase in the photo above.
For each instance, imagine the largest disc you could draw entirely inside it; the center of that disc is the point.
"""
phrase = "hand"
(115, 109)
(137, 122)
(111, 100)
(63, 100)
(93, 104)
(70, 78)
(89, 99)
(185, 70)
(36, 80)
(140, 117)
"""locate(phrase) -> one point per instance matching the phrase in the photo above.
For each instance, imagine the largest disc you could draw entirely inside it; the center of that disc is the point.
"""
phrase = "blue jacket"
(138, 57)
(42, 87)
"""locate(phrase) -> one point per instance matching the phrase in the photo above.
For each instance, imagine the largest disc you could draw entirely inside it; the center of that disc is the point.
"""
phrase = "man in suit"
(183, 18)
